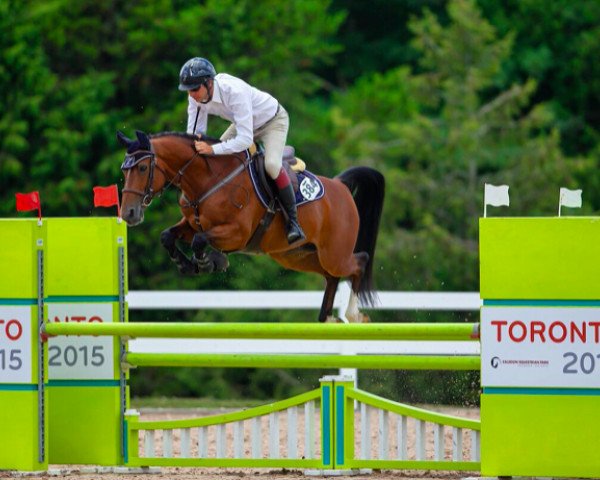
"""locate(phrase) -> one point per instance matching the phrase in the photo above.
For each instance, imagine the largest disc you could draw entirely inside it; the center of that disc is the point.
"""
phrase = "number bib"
(310, 188)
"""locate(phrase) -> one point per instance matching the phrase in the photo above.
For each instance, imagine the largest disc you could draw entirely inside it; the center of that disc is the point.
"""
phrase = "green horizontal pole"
(308, 331)
(374, 362)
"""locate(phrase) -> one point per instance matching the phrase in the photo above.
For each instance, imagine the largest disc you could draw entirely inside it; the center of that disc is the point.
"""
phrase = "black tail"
(368, 189)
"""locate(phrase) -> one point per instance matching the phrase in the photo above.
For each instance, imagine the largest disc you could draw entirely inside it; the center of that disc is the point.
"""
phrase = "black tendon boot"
(287, 197)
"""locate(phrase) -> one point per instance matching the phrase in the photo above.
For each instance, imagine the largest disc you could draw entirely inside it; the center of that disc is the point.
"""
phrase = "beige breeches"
(273, 136)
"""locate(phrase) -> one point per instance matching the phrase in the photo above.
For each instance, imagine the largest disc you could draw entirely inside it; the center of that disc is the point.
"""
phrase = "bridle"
(133, 158)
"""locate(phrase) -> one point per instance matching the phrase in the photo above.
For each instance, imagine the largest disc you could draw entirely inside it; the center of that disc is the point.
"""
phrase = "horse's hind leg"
(352, 312)
(169, 238)
(326, 314)
(303, 260)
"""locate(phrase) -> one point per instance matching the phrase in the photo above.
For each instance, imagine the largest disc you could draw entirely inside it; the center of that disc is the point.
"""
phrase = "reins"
(216, 187)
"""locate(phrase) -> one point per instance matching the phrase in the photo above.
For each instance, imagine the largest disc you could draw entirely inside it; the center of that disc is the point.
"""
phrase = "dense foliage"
(441, 96)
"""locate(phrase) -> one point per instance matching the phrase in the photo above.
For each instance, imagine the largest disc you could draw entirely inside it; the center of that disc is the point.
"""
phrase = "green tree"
(54, 128)
(24, 84)
(375, 37)
(438, 138)
(557, 44)
(439, 133)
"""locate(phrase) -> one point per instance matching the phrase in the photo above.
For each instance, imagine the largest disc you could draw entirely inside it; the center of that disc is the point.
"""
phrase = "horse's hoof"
(358, 318)
(204, 264)
(332, 319)
(187, 269)
(220, 261)
(206, 267)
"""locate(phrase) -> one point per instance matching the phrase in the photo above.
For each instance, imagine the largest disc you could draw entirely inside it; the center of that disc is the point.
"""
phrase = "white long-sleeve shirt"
(234, 100)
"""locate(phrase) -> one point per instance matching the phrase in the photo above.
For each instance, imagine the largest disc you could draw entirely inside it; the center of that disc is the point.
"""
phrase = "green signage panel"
(540, 258)
(84, 255)
(22, 427)
(19, 438)
(540, 435)
(542, 271)
(84, 259)
(18, 258)
(85, 424)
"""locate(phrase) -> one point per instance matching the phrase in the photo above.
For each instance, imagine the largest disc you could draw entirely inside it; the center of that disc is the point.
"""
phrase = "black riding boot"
(288, 200)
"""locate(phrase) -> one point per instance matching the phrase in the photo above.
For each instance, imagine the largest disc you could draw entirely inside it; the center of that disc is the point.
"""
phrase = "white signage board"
(15, 344)
(540, 347)
(74, 357)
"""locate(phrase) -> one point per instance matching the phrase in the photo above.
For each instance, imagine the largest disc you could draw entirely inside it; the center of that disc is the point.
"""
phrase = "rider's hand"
(203, 148)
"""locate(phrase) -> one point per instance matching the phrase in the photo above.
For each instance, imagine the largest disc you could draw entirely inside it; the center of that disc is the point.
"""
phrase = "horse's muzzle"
(133, 215)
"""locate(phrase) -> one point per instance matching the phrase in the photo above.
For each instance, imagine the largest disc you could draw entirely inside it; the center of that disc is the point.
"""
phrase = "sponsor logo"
(496, 362)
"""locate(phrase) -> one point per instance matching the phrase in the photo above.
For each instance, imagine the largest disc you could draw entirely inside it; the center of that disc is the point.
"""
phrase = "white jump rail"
(297, 300)
(300, 300)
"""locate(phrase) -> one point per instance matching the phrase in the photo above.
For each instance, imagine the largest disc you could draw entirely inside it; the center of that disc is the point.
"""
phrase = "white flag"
(496, 196)
(570, 198)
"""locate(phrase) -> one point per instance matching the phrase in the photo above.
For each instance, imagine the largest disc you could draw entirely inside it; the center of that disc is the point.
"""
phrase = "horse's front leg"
(207, 262)
(169, 237)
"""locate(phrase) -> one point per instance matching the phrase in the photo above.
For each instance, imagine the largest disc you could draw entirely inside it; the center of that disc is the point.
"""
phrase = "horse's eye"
(143, 168)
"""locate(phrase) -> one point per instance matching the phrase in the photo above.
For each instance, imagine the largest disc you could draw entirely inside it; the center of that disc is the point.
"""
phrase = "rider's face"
(200, 94)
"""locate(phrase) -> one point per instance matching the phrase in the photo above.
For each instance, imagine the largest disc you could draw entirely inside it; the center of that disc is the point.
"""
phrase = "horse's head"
(141, 183)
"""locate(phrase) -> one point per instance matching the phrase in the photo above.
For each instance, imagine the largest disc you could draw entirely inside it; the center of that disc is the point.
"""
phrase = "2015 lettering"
(14, 359)
(587, 363)
(71, 356)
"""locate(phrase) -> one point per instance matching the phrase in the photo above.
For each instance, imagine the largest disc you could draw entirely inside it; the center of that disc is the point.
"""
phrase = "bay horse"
(221, 211)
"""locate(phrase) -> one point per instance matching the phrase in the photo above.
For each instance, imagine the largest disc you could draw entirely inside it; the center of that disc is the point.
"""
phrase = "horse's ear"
(143, 139)
(123, 140)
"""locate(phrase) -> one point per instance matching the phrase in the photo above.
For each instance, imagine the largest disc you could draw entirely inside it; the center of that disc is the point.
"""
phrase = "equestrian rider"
(253, 115)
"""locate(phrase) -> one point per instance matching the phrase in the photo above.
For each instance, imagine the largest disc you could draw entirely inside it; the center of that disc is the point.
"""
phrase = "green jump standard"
(541, 263)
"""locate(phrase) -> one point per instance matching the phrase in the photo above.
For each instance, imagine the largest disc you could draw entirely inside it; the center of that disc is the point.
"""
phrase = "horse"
(221, 212)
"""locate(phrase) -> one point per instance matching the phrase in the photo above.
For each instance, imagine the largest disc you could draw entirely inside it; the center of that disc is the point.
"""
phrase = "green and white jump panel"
(86, 283)
(61, 401)
(23, 398)
(540, 346)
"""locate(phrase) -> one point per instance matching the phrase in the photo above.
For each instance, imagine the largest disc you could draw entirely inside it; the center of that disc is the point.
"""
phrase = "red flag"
(107, 197)
(29, 201)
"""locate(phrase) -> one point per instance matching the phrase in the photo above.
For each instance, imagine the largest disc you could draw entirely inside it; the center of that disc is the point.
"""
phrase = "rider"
(252, 113)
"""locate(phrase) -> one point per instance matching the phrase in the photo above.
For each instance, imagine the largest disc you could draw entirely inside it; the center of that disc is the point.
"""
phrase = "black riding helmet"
(194, 73)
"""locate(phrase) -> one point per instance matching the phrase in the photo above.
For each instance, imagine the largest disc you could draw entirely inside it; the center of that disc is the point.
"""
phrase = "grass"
(169, 402)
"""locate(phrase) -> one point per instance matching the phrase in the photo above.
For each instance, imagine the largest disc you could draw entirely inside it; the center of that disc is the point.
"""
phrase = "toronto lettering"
(11, 329)
(557, 331)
